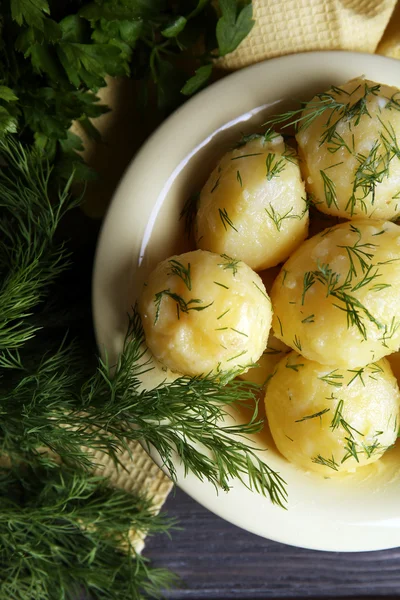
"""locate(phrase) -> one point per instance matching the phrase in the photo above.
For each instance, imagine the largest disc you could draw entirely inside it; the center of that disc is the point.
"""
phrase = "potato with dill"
(267, 362)
(337, 298)
(204, 314)
(348, 142)
(253, 206)
(332, 420)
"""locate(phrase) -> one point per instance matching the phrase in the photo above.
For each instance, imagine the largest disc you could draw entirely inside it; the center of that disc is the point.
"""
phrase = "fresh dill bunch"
(30, 259)
(181, 420)
(61, 532)
(53, 406)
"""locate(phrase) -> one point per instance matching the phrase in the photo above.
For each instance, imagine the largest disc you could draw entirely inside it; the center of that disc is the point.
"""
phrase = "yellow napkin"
(289, 26)
(282, 27)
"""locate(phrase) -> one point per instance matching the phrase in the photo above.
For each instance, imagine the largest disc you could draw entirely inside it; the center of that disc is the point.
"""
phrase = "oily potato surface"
(348, 143)
(267, 362)
(204, 313)
(332, 420)
(337, 298)
(253, 206)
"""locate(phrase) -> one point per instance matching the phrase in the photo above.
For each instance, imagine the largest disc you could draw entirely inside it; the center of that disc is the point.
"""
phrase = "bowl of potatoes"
(257, 231)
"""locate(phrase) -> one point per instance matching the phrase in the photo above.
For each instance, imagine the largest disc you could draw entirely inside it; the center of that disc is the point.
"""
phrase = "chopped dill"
(178, 269)
(226, 221)
(181, 304)
(230, 263)
(274, 169)
(314, 416)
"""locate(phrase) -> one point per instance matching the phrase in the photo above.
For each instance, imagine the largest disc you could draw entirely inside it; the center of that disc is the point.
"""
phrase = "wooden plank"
(217, 560)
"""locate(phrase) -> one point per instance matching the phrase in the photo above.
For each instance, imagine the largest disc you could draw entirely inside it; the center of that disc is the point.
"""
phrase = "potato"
(267, 362)
(332, 420)
(204, 313)
(350, 154)
(337, 298)
(253, 206)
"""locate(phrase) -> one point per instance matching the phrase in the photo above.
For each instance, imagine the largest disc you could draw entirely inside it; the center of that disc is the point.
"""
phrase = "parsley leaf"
(174, 28)
(233, 28)
(30, 12)
(8, 123)
(7, 94)
(198, 80)
(86, 63)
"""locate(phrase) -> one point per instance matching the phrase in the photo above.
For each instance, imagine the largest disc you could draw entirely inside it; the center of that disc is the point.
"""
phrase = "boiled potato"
(267, 362)
(337, 298)
(332, 420)
(350, 154)
(204, 313)
(253, 206)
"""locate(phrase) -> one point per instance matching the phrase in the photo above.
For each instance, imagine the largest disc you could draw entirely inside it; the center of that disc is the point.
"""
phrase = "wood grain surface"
(216, 560)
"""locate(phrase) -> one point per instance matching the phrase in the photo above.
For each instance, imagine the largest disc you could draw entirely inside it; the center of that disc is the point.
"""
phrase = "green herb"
(358, 253)
(297, 343)
(246, 155)
(226, 221)
(239, 332)
(333, 378)
(308, 282)
(274, 169)
(261, 291)
(189, 211)
(326, 462)
(61, 531)
(294, 366)
(309, 319)
(239, 178)
(216, 184)
(233, 26)
(390, 331)
(358, 373)
(198, 81)
(314, 416)
(56, 56)
(329, 189)
(280, 325)
(351, 450)
(181, 304)
(178, 269)
(278, 219)
(355, 311)
(230, 263)
(221, 285)
(339, 421)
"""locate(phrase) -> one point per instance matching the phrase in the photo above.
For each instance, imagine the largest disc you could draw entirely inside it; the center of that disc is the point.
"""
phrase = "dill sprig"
(61, 531)
(182, 420)
(356, 312)
(225, 219)
(313, 416)
(178, 269)
(336, 103)
(55, 407)
(188, 213)
(30, 210)
(278, 218)
(230, 263)
(182, 305)
(274, 165)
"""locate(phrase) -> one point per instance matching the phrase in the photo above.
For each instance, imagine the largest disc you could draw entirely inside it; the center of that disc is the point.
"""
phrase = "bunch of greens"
(62, 528)
(56, 54)
(63, 531)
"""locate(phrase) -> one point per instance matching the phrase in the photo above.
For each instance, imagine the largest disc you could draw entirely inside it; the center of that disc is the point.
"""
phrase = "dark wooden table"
(217, 560)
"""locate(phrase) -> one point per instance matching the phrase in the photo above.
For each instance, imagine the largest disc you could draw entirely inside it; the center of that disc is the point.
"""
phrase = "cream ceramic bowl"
(359, 512)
